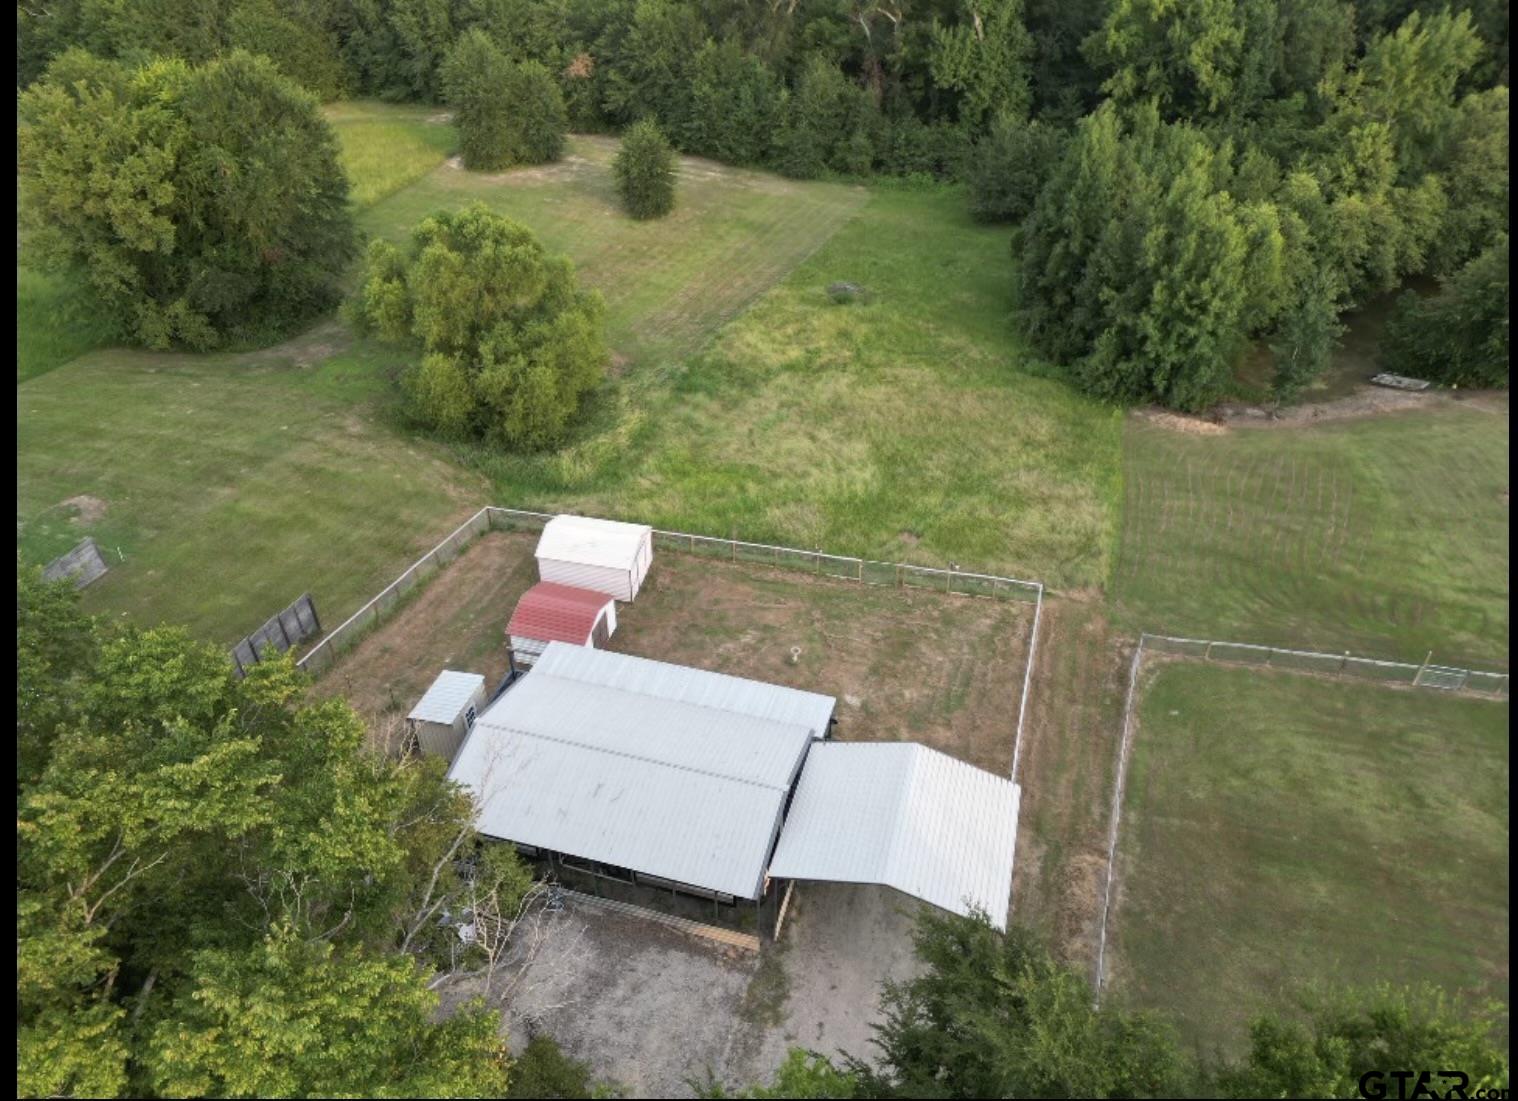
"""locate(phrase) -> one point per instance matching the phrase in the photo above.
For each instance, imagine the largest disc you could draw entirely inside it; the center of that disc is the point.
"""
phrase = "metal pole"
(1417, 677)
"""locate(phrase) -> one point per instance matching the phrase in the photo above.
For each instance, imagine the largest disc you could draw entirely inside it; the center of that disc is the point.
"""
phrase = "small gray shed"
(446, 713)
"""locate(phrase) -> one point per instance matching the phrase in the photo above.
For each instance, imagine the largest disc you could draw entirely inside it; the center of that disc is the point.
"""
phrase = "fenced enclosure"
(1426, 675)
(844, 567)
(286, 628)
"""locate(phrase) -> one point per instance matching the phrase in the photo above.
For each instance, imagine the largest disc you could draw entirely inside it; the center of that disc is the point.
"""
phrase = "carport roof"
(905, 816)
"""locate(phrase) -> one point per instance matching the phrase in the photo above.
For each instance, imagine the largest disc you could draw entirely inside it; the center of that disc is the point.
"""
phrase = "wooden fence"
(288, 628)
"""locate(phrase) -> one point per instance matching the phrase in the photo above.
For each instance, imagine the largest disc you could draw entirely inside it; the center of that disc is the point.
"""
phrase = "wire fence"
(1343, 664)
(863, 570)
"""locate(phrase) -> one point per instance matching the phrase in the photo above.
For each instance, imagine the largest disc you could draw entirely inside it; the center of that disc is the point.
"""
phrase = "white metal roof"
(447, 698)
(690, 789)
(905, 816)
(593, 542)
(684, 684)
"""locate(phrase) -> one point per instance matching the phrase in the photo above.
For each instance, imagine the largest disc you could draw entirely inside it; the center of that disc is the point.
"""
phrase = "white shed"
(446, 713)
(604, 556)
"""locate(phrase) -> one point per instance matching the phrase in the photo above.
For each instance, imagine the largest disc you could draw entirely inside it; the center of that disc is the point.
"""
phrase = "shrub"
(202, 204)
(645, 171)
(538, 111)
(1009, 167)
(828, 124)
(511, 345)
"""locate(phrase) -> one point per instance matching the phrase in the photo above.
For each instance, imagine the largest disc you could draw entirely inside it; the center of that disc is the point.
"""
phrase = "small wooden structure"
(604, 556)
(1399, 382)
(446, 713)
(81, 565)
(550, 612)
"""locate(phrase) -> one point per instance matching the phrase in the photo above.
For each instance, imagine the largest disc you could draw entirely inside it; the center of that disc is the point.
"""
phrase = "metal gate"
(1441, 676)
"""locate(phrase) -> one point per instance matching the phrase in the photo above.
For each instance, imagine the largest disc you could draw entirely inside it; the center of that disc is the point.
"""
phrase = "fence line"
(1022, 707)
(1424, 675)
(285, 629)
(1117, 811)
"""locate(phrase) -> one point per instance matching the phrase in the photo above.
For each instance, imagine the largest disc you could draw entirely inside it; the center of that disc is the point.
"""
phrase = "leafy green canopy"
(1459, 336)
(510, 343)
(203, 205)
(219, 891)
(644, 169)
(507, 112)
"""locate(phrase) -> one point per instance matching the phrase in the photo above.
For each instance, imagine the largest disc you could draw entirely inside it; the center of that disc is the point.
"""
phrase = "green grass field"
(387, 146)
(1281, 828)
(1387, 536)
(222, 487)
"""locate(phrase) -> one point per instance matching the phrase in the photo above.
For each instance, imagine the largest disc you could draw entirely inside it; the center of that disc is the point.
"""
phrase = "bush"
(1009, 167)
(645, 171)
(511, 344)
(1460, 335)
(828, 124)
(538, 111)
(202, 204)
(913, 148)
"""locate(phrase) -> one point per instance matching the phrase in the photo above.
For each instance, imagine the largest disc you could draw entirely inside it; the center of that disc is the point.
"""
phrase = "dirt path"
(1367, 401)
(1069, 745)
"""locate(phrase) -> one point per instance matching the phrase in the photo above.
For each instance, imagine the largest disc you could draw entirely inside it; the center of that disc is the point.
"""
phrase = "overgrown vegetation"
(210, 873)
(1460, 335)
(510, 343)
(203, 205)
(507, 112)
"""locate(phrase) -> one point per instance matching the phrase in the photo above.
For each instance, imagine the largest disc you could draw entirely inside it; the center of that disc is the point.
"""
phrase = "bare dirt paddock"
(903, 663)
(651, 1009)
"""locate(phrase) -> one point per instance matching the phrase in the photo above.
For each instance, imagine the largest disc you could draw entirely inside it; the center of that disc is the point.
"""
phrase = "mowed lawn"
(1387, 536)
(668, 283)
(222, 487)
(1281, 828)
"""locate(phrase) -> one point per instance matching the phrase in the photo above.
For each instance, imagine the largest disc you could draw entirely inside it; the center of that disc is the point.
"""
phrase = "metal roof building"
(716, 783)
(905, 816)
(605, 556)
(671, 772)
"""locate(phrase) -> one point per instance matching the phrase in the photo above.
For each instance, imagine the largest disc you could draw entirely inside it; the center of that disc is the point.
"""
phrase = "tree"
(735, 104)
(202, 205)
(211, 872)
(645, 171)
(985, 58)
(1459, 336)
(1304, 343)
(653, 70)
(827, 124)
(507, 113)
(1009, 167)
(510, 343)
(1339, 1036)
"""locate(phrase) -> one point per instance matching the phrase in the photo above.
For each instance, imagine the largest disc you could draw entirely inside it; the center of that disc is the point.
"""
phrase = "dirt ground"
(904, 664)
(457, 621)
(657, 1013)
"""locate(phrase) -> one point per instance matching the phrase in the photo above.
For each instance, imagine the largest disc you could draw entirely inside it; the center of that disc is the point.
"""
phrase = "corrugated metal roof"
(557, 613)
(594, 542)
(447, 698)
(616, 772)
(905, 816)
(684, 684)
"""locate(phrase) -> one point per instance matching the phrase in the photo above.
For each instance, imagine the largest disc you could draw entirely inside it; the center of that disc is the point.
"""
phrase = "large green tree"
(510, 343)
(203, 205)
(644, 169)
(1458, 336)
(220, 891)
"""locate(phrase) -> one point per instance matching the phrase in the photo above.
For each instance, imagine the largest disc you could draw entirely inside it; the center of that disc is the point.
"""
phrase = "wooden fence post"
(1418, 676)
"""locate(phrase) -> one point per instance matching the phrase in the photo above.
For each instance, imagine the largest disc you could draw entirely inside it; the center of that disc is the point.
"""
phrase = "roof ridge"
(638, 757)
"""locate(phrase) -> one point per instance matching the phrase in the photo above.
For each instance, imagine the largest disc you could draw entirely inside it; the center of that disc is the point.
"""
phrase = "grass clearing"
(56, 321)
(1387, 536)
(1281, 828)
(230, 483)
(669, 283)
(387, 146)
(905, 664)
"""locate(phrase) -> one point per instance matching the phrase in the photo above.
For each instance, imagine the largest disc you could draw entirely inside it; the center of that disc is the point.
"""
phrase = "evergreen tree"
(645, 171)
(476, 80)
(1009, 168)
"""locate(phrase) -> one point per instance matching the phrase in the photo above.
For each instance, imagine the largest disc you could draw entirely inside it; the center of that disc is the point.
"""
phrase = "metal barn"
(447, 712)
(604, 556)
(550, 612)
(708, 785)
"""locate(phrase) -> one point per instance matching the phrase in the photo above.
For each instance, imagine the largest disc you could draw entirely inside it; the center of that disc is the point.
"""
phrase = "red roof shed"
(550, 612)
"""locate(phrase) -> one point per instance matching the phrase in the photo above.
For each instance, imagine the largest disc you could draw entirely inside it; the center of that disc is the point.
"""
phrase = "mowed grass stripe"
(1281, 828)
(1384, 536)
(668, 283)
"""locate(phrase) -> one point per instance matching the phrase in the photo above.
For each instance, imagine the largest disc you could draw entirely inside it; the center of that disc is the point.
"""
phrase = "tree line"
(1187, 180)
